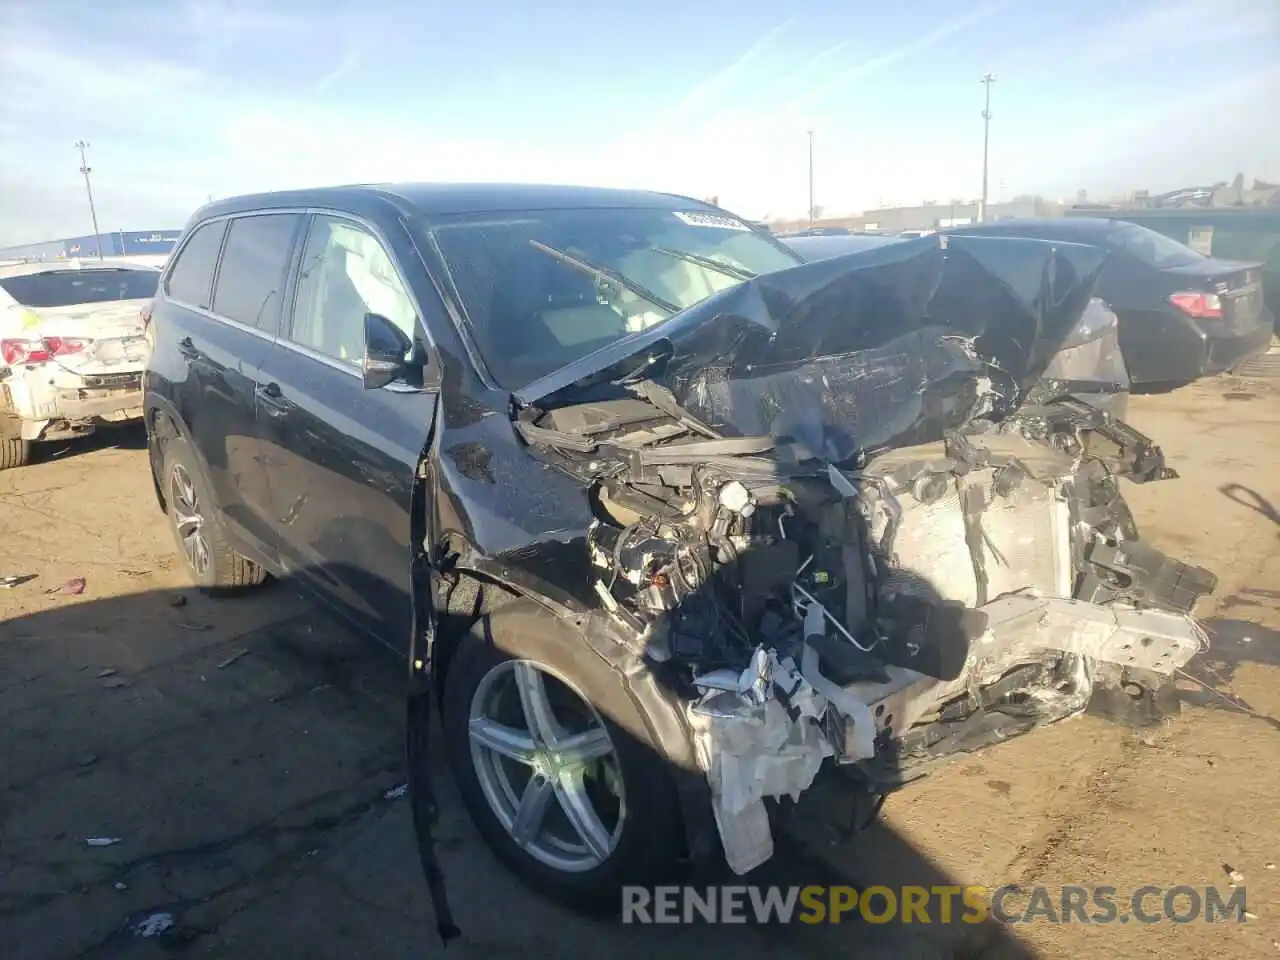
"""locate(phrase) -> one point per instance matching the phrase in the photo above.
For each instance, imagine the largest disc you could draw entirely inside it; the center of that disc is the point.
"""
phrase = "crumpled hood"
(854, 354)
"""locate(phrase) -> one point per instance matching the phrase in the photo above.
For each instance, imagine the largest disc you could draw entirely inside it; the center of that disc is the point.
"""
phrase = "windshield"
(66, 288)
(1153, 248)
(542, 288)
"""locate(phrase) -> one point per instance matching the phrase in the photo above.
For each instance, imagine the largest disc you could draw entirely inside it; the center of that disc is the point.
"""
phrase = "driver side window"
(345, 273)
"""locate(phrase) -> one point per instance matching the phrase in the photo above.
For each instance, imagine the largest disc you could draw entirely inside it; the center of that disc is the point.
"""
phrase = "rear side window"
(254, 265)
(191, 279)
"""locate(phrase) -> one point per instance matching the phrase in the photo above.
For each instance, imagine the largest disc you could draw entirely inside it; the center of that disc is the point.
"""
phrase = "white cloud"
(169, 132)
(1170, 25)
(352, 60)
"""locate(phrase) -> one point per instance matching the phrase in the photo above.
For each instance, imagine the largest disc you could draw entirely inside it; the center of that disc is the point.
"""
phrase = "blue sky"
(183, 100)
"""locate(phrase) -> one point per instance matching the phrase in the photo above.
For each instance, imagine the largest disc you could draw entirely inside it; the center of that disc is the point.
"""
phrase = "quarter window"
(345, 274)
(191, 278)
(254, 265)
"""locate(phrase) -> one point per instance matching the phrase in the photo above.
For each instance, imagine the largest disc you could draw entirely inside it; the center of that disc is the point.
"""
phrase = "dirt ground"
(245, 755)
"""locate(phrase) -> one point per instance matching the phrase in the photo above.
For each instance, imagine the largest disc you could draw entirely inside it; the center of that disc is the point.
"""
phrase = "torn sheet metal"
(1156, 640)
(1022, 629)
(752, 746)
(854, 354)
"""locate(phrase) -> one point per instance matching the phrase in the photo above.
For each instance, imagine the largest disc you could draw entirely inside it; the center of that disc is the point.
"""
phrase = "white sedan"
(72, 349)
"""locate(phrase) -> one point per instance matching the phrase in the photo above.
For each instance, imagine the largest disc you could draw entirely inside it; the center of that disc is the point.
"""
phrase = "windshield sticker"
(711, 220)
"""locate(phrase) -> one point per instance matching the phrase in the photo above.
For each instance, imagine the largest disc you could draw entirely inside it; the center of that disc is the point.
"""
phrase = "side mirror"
(387, 352)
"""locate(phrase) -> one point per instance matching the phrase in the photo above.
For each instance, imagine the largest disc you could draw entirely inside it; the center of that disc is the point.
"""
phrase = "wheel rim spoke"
(532, 811)
(538, 717)
(580, 749)
(503, 740)
(577, 806)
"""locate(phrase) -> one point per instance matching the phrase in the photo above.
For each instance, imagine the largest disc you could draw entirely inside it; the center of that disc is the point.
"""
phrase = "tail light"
(18, 352)
(1202, 306)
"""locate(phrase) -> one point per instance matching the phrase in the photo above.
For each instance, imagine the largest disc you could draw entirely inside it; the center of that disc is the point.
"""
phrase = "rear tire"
(14, 452)
(627, 787)
(196, 522)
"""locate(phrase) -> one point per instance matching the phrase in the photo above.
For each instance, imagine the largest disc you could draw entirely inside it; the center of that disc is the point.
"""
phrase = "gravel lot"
(245, 754)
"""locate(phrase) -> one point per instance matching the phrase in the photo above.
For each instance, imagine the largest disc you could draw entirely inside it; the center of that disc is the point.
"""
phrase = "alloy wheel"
(547, 766)
(188, 520)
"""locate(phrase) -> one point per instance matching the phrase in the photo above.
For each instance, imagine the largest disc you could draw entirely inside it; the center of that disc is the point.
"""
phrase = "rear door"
(342, 460)
(223, 340)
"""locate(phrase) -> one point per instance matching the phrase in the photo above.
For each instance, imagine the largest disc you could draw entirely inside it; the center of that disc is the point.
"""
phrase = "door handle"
(188, 349)
(272, 398)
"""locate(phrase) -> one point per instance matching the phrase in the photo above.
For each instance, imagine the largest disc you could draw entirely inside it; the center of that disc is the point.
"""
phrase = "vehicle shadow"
(1248, 497)
(1234, 642)
(126, 436)
(221, 749)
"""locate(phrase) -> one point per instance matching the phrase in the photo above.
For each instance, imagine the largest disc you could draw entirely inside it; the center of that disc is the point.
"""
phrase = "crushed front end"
(871, 555)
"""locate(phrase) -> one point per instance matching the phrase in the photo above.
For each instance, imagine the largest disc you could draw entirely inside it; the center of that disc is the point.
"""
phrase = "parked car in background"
(1228, 233)
(819, 232)
(1182, 315)
(1089, 365)
(71, 349)
(669, 519)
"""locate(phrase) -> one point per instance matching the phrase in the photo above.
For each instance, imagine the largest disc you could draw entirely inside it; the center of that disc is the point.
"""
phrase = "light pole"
(84, 169)
(987, 80)
(810, 179)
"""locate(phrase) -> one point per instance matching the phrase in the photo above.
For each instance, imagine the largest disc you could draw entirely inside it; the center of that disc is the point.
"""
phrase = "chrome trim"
(303, 350)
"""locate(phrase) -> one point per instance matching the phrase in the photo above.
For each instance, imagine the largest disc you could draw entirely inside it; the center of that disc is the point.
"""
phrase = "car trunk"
(112, 332)
(1238, 284)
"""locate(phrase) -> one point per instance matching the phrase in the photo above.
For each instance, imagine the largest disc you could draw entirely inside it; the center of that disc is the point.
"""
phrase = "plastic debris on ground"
(102, 841)
(395, 793)
(753, 746)
(73, 587)
(15, 580)
(231, 659)
(153, 924)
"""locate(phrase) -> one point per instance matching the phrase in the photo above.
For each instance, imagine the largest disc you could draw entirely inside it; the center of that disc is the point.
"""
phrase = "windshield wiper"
(710, 263)
(604, 273)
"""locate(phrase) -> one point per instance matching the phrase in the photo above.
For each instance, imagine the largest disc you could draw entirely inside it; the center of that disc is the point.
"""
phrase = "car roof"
(1058, 226)
(32, 267)
(448, 199)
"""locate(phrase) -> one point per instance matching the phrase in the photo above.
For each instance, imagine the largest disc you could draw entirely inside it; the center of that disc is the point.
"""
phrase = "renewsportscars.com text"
(937, 904)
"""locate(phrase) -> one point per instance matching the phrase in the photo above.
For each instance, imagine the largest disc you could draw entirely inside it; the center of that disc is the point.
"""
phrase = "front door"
(342, 460)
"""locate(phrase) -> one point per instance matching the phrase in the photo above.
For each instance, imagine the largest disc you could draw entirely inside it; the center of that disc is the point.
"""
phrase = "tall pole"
(811, 178)
(987, 80)
(84, 169)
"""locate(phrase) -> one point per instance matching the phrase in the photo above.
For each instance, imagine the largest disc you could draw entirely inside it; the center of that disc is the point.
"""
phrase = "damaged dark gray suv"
(671, 523)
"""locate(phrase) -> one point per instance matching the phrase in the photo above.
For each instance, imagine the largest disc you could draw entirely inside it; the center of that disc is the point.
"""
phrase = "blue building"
(115, 243)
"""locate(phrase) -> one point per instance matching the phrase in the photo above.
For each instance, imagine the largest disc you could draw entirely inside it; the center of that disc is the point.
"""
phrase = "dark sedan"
(1182, 315)
(669, 521)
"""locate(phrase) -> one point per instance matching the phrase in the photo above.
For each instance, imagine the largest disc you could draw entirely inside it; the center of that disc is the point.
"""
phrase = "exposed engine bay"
(928, 600)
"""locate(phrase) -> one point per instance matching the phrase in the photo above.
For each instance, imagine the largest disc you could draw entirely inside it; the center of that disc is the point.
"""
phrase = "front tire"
(197, 528)
(573, 803)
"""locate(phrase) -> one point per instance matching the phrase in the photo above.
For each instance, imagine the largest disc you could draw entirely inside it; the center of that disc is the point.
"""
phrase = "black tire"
(650, 844)
(14, 452)
(226, 571)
